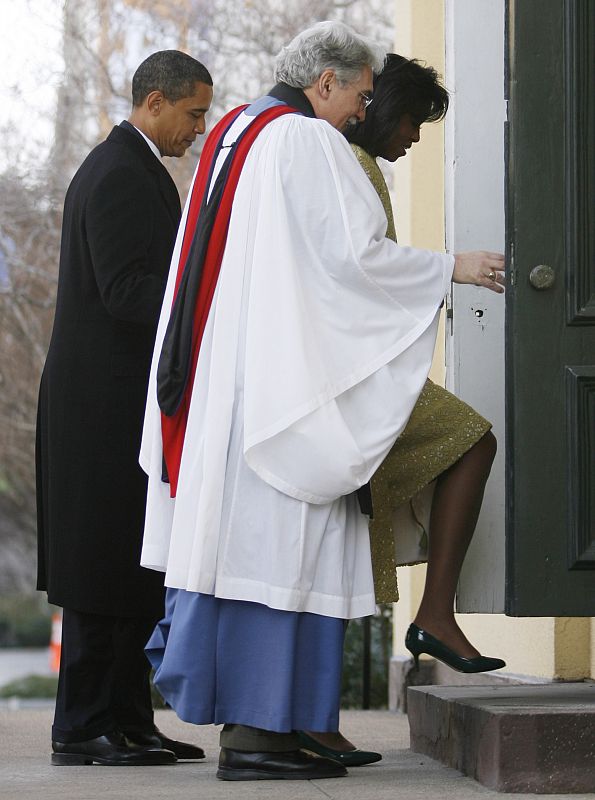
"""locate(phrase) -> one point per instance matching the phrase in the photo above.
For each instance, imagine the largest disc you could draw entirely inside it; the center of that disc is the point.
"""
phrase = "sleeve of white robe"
(340, 329)
(160, 506)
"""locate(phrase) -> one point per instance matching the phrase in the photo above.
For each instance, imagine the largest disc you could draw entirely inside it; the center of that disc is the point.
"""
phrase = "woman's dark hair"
(403, 87)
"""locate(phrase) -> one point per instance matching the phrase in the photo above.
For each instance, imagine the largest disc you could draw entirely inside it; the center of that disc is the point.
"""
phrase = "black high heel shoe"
(418, 641)
(349, 758)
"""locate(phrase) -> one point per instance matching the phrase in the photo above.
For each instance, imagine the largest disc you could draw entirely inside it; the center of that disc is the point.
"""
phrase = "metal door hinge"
(449, 313)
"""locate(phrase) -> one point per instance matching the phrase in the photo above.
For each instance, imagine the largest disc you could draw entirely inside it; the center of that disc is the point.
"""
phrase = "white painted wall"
(474, 210)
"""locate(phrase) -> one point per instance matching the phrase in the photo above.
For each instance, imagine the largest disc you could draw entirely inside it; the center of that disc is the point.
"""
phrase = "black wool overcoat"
(121, 215)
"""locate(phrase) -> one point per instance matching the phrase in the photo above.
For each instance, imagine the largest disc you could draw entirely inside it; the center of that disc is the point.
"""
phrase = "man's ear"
(325, 83)
(154, 102)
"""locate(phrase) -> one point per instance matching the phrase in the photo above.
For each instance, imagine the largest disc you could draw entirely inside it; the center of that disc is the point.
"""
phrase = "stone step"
(538, 739)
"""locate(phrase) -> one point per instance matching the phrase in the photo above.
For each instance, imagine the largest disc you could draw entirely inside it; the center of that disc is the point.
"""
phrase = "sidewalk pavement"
(26, 773)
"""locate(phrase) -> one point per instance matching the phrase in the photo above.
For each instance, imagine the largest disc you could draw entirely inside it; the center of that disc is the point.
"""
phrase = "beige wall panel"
(418, 183)
(418, 178)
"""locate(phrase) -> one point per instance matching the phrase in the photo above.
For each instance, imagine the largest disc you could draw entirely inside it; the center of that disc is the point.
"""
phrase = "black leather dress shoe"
(112, 750)
(158, 739)
(235, 765)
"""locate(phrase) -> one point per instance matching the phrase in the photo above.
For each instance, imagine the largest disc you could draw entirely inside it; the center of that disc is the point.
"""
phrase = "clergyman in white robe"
(318, 342)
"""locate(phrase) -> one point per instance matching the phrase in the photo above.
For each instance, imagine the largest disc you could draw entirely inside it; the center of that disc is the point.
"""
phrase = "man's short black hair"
(171, 72)
(403, 87)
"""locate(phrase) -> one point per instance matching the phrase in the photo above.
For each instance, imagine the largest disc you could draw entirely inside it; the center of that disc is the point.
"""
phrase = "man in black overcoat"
(121, 215)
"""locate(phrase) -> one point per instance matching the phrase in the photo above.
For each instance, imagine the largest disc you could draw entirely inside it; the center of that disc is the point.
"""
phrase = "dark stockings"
(455, 509)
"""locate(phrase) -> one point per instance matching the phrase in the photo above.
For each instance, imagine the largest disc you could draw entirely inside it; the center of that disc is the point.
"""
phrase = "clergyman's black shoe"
(112, 750)
(157, 739)
(236, 765)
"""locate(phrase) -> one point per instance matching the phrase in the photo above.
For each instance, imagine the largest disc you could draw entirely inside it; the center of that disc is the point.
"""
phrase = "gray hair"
(327, 45)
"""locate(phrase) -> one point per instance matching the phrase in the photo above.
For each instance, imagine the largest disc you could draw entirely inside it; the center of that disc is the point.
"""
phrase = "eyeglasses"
(365, 98)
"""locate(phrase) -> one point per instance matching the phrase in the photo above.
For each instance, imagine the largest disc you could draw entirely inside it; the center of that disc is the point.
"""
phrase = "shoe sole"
(463, 669)
(189, 758)
(226, 774)
(346, 759)
(363, 763)
(76, 760)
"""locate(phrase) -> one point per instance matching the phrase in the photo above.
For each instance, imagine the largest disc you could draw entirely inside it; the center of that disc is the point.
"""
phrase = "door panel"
(579, 88)
(550, 329)
(580, 398)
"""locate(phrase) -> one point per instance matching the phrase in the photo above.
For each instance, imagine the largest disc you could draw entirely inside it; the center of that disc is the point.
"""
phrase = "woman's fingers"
(480, 268)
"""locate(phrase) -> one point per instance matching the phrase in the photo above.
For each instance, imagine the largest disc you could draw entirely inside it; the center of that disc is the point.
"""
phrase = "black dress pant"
(104, 677)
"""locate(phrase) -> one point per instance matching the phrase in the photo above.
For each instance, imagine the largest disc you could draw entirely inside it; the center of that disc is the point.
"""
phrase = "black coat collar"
(128, 126)
(293, 97)
(127, 135)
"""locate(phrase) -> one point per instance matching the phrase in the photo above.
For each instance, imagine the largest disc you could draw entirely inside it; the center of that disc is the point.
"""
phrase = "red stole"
(173, 429)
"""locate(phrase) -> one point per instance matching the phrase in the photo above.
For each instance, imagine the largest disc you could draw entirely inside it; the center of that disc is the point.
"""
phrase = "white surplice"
(318, 342)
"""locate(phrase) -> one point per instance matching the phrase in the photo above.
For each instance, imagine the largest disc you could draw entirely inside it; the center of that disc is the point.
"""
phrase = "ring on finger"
(492, 275)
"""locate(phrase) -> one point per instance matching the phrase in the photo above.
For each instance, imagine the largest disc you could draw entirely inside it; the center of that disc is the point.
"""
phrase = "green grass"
(31, 686)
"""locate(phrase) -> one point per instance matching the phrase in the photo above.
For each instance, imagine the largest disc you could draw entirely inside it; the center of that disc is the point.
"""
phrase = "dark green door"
(550, 317)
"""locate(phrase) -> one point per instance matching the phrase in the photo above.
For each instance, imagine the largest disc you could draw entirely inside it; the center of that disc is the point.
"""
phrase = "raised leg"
(455, 510)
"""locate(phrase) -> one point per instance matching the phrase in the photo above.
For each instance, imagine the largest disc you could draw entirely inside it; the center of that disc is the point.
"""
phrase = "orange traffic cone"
(56, 641)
